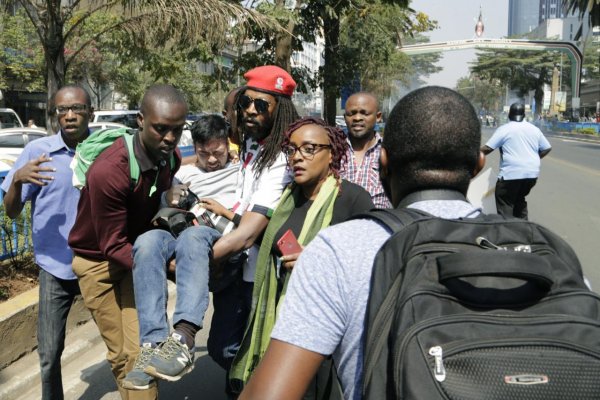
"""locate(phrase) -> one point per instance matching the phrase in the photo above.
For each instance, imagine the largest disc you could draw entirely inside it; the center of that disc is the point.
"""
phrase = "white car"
(94, 126)
(12, 142)
(9, 119)
(125, 117)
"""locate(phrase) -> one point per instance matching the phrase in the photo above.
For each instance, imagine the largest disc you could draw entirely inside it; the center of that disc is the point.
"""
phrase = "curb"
(21, 375)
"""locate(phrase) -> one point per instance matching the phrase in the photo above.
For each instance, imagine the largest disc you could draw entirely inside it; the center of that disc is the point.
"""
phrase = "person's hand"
(32, 172)
(171, 266)
(289, 261)
(177, 192)
(214, 206)
(234, 156)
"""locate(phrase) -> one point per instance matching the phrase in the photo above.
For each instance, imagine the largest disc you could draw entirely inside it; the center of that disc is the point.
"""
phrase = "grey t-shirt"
(325, 305)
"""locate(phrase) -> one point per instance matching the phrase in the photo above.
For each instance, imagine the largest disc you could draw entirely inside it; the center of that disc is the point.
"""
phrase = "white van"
(125, 117)
(9, 119)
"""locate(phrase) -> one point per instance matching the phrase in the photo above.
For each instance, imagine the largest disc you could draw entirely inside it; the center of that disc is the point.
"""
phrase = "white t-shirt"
(520, 144)
(218, 185)
(259, 194)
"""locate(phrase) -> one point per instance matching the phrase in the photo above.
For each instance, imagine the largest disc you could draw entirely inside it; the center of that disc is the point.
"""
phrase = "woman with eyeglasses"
(317, 198)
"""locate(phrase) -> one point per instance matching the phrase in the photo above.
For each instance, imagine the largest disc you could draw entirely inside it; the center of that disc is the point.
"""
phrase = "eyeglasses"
(261, 105)
(76, 108)
(307, 150)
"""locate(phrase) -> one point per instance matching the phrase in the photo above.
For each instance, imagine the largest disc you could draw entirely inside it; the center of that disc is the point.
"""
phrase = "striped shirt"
(367, 174)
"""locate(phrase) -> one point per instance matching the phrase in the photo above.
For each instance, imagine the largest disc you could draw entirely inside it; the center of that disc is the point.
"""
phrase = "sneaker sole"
(131, 386)
(150, 370)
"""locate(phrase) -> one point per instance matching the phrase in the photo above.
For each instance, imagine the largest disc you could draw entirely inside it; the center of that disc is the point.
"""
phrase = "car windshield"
(8, 120)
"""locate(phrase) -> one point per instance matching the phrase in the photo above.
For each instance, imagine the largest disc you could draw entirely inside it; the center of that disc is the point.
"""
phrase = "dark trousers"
(56, 298)
(510, 196)
(231, 309)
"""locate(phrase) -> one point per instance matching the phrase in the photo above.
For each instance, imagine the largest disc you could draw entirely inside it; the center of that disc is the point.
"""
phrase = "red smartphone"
(288, 244)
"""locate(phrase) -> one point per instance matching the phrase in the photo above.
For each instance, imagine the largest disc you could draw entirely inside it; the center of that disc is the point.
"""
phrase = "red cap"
(271, 79)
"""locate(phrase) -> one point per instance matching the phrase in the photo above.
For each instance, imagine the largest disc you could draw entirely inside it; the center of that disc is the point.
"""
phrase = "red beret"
(271, 79)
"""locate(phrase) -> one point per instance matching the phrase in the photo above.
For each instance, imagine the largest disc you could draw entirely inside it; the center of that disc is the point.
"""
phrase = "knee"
(151, 242)
(199, 235)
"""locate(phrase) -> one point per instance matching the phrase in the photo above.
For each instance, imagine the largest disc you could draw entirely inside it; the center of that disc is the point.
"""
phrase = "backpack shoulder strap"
(394, 219)
(134, 167)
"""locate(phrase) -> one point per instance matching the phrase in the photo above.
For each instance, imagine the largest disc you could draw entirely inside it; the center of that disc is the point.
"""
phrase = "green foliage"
(591, 65)
(21, 55)
(586, 131)
(483, 94)
(19, 255)
(369, 42)
(521, 70)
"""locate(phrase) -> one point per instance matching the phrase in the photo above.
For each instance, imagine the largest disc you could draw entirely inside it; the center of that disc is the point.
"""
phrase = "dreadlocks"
(285, 113)
(337, 140)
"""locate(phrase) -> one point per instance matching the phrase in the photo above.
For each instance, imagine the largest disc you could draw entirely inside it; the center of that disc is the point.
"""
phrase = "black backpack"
(478, 308)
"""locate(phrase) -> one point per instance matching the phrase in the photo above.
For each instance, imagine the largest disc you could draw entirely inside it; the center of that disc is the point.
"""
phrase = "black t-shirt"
(352, 199)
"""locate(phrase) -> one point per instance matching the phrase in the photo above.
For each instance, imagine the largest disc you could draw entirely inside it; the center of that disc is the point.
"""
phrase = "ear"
(378, 116)
(383, 164)
(480, 163)
(140, 120)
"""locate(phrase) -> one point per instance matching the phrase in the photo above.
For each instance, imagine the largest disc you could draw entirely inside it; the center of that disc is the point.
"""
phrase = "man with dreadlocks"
(264, 110)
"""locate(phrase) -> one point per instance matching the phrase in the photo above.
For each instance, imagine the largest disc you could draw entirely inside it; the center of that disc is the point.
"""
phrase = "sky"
(456, 20)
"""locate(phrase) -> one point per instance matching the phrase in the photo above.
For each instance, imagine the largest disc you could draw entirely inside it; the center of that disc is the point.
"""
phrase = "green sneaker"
(137, 379)
(171, 360)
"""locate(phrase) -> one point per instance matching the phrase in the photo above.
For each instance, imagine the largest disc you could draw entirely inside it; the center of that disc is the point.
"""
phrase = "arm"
(485, 149)
(31, 173)
(217, 208)
(284, 373)
(544, 153)
(243, 237)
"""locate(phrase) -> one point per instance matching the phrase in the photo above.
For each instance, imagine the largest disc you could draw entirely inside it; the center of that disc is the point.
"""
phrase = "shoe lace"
(170, 348)
(143, 358)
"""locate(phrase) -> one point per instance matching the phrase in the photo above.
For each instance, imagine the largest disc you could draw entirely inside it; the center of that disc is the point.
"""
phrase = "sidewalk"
(87, 376)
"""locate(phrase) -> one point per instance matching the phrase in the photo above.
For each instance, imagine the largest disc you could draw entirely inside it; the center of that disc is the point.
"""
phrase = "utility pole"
(553, 105)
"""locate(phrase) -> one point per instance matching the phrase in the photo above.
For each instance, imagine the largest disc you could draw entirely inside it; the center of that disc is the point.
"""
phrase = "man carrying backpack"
(325, 316)
(434, 300)
(113, 211)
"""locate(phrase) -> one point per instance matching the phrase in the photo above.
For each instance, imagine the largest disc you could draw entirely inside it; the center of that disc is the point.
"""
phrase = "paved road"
(89, 376)
(566, 198)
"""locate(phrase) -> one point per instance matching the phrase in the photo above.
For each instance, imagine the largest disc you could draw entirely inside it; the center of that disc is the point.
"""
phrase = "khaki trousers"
(107, 292)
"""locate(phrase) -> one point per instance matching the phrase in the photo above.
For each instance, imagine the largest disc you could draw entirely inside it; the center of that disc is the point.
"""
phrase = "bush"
(586, 131)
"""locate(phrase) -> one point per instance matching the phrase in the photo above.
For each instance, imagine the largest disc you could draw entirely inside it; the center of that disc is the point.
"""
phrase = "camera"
(188, 201)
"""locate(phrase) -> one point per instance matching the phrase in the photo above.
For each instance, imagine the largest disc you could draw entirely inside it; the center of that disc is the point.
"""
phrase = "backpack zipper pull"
(486, 244)
(438, 371)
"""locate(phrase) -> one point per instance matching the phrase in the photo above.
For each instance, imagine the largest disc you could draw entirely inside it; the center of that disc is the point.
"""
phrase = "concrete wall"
(18, 325)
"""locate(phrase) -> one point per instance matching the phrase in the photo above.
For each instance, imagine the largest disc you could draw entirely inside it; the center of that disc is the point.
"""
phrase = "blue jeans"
(151, 253)
(55, 299)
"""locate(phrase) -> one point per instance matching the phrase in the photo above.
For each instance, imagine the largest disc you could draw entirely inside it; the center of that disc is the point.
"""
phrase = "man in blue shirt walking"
(522, 146)
(42, 175)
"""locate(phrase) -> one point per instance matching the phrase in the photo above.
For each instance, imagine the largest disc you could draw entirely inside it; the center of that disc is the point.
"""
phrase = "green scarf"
(264, 295)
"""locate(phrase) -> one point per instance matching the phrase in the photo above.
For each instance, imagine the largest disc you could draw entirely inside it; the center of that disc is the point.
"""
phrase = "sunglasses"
(261, 105)
(76, 108)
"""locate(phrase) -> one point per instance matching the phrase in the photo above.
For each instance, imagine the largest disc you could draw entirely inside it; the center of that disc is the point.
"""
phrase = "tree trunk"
(54, 45)
(331, 28)
(283, 46)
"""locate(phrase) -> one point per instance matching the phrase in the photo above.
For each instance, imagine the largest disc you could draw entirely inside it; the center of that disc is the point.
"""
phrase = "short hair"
(208, 127)
(366, 94)
(164, 92)
(432, 140)
(88, 99)
(337, 138)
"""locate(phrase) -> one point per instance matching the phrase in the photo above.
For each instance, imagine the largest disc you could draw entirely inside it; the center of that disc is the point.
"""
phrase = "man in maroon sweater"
(112, 213)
